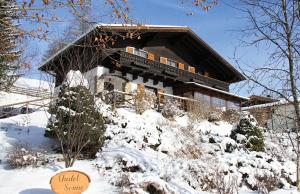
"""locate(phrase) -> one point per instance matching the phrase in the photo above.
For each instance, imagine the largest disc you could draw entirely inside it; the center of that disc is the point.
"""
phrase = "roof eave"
(238, 75)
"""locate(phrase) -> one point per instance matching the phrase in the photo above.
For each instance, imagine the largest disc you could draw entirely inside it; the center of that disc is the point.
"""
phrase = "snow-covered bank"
(26, 89)
(36, 84)
(148, 153)
(36, 180)
(29, 130)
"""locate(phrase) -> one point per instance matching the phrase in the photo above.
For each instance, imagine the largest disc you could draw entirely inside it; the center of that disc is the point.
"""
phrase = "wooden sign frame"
(70, 182)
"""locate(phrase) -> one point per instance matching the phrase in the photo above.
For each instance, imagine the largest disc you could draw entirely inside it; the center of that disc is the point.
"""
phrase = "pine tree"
(248, 133)
(76, 123)
(9, 36)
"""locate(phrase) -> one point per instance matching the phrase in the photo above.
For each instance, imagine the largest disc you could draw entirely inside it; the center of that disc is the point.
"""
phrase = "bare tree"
(275, 25)
(9, 52)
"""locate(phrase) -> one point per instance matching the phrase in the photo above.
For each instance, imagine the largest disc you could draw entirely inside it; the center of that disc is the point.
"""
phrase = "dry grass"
(144, 100)
(231, 116)
(266, 183)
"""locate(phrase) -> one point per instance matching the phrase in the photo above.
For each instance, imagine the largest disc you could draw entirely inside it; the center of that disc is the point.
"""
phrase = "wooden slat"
(141, 87)
(163, 60)
(181, 66)
(151, 56)
(130, 49)
(161, 97)
(191, 69)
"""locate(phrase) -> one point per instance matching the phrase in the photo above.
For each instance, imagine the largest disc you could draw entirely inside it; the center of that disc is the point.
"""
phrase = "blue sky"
(218, 27)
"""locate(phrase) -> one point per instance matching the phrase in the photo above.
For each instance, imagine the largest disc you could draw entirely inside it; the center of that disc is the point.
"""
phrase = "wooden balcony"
(146, 68)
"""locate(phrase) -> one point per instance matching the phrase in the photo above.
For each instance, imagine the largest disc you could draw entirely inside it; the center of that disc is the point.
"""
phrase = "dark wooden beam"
(134, 76)
(149, 39)
(111, 70)
(155, 81)
(124, 73)
(168, 82)
(165, 84)
(145, 79)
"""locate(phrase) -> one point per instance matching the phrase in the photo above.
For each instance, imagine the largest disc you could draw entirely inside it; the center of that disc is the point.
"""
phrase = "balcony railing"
(156, 67)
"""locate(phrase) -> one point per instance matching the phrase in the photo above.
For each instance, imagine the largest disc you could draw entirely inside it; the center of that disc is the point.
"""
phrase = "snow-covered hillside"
(180, 156)
(149, 154)
(37, 84)
(24, 86)
(141, 150)
(28, 131)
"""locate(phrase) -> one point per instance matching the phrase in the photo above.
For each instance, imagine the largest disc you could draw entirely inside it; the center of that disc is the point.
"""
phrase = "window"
(218, 102)
(136, 51)
(172, 63)
(233, 105)
(108, 86)
(202, 97)
(141, 53)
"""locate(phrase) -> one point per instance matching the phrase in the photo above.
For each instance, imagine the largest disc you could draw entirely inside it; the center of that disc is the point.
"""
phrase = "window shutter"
(191, 69)
(127, 87)
(163, 60)
(161, 90)
(151, 56)
(181, 66)
(130, 49)
(206, 74)
(161, 97)
(141, 87)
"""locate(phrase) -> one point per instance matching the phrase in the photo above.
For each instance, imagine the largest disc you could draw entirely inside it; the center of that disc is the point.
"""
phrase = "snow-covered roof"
(277, 103)
(134, 25)
(217, 90)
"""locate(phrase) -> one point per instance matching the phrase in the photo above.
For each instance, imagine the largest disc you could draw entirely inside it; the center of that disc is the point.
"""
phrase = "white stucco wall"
(283, 118)
(94, 75)
(101, 71)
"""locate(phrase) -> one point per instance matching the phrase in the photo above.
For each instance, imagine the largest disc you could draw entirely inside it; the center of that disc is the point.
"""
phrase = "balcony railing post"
(183, 75)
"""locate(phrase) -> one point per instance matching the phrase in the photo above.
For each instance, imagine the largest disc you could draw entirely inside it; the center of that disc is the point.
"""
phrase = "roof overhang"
(149, 28)
(218, 91)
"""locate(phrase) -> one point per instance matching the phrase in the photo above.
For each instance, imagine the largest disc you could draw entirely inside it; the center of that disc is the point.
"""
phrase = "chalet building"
(257, 100)
(169, 59)
(277, 115)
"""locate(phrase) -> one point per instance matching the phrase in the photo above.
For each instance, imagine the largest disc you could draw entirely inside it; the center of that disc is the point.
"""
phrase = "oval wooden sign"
(70, 182)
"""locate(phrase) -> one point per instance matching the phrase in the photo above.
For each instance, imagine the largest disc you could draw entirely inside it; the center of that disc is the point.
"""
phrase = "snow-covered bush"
(201, 110)
(266, 183)
(214, 116)
(247, 133)
(231, 115)
(171, 109)
(197, 110)
(21, 156)
(216, 180)
(145, 100)
(123, 181)
(76, 123)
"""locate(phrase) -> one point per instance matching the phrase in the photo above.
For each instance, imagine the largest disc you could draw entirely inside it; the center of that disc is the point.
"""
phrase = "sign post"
(70, 182)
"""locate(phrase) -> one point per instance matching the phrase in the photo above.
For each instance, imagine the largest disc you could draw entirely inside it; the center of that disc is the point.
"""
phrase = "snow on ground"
(29, 130)
(42, 85)
(27, 83)
(147, 151)
(11, 98)
(36, 180)
(177, 156)
(24, 129)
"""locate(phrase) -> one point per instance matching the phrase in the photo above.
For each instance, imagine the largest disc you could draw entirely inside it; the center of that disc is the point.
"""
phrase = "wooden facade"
(174, 56)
